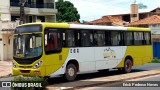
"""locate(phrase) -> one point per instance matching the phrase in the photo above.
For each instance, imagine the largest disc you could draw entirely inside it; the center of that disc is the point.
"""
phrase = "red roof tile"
(107, 19)
(155, 19)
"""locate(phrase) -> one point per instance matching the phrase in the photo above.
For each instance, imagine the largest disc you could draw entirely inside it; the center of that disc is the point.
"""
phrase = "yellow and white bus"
(53, 49)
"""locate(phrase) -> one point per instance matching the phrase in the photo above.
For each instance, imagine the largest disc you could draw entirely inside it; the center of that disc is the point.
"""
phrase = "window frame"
(114, 40)
(95, 42)
(89, 32)
(53, 51)
(142, 41)
(132, 41)
(145, 41)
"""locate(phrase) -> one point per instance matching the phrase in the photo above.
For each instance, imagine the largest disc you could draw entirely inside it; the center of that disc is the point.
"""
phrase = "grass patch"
(156, 60)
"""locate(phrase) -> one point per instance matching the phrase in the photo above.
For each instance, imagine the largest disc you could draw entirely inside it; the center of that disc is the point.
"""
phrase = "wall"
(6, 47)
(155, 28)
(6, 39)
(156, 49)
(4, 9)
(1, 51)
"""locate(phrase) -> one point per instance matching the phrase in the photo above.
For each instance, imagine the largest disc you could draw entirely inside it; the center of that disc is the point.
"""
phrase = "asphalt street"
(119, 86)
(91, 75)
(112, 72)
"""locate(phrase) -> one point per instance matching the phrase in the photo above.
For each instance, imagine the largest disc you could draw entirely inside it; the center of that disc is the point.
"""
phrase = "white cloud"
(93, 9)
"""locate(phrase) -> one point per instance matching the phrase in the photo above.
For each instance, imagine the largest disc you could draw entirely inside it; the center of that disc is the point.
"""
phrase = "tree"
(142, 6)
(66, 12)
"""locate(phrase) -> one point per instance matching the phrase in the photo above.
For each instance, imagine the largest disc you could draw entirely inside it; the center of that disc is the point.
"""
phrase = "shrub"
(156, 60)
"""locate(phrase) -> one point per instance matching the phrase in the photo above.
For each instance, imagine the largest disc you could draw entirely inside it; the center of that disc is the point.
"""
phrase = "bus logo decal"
(109, 53)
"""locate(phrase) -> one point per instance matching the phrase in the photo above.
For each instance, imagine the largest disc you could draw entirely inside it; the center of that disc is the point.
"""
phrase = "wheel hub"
(71, 72)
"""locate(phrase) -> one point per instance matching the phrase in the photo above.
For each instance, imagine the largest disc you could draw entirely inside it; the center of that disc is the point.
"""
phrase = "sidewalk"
(5, 68)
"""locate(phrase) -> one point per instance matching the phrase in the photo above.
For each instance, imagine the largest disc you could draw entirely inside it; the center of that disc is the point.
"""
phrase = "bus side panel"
(140, 54)
(55, 61)
(84, 56)
(109, 57)
(149, 54)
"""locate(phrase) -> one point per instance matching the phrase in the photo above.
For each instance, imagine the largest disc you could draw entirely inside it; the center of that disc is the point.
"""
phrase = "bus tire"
(127, 66)
(71, 72)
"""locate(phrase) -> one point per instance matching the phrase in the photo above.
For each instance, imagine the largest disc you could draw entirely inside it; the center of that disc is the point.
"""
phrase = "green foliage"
(26, 80)
(66, 12)
(156, 60)
(142, 6)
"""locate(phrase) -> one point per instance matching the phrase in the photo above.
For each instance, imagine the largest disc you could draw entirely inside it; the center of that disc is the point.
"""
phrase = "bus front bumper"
(29, 71)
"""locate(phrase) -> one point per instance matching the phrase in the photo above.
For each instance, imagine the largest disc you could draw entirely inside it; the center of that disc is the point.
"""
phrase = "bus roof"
(89, 27)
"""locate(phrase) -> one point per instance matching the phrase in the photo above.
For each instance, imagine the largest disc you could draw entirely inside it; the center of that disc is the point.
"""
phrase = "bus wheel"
(127, 66)
(71, 72)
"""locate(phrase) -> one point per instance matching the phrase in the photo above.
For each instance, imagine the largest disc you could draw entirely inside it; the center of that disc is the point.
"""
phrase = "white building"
(35, 10)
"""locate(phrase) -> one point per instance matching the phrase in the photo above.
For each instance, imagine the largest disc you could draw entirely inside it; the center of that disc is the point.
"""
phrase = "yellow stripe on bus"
(137, 29)
(56, 25)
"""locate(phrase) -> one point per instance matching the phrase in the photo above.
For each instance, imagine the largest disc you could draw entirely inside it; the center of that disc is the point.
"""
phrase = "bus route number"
(74, 50)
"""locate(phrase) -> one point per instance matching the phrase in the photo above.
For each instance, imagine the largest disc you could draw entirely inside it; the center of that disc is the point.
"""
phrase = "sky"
(94, 9)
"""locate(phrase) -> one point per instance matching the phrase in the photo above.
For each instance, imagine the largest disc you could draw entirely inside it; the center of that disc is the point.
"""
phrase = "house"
(141, 14)
(6, 39)
(153, 22)
(107, 20)
(35, 10)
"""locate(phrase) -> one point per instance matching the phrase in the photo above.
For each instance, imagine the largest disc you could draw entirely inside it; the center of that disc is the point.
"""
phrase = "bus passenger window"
(85, 38)
(128, 38)
(52, 42)
(70, 38)
(115, 38)
(138, 38)
(99, 38)
(147, 38)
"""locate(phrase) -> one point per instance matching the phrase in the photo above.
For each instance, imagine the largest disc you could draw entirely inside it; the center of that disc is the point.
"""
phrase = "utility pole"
(22, 3)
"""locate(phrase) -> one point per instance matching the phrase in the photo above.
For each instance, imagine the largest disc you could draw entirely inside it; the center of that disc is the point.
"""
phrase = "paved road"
(112, 72)
(91, 75)
(152, 79)
(149, 66)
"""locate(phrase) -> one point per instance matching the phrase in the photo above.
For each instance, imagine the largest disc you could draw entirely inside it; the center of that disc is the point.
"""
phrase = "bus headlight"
(38, 64)
(14, 65)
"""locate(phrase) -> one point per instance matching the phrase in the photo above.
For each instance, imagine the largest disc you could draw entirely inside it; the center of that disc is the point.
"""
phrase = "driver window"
(52, 42)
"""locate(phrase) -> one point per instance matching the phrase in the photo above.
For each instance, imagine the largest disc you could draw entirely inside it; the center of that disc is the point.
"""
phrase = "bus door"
(55, 56)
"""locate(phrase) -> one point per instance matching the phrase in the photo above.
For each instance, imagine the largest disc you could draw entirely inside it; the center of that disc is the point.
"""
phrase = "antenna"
(134, 1)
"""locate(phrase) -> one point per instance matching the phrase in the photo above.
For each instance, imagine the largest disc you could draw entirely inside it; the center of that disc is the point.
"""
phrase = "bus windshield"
(27, 45)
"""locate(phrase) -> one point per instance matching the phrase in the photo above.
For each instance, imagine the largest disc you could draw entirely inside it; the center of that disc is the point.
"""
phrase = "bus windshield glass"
(28, 28)
(27, 45)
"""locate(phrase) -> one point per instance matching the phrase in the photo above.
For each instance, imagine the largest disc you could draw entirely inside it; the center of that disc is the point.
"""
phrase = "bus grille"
(25, 71)
(25, 66)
